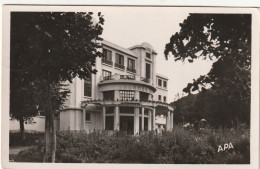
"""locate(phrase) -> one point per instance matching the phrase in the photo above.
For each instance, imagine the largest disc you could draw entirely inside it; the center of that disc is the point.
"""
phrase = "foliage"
(31, 139)
(209, 105)
(177, 147)
(225, 39)
(49, 48)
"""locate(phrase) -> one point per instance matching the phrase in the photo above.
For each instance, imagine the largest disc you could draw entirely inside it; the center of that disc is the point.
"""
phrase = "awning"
(91, 107)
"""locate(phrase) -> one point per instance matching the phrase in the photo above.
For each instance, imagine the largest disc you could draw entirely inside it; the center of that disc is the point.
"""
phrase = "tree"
(23, 105)
(50, 48)
(225, 39)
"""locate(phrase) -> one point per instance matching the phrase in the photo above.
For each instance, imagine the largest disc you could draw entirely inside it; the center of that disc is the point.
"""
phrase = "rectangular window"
(164, 98)
(159, 82)
(108, 95)
(107, 57)
(127, 110)
(88, 87)
(127, 95)
(109, 123)
(144, 96)
(119, 61)
(159, 97)
(148, 71)
(131, 65)
(87, 116)
(165, 84)
(148, 55)
(106, 74)
(146, 111)
(110, 110)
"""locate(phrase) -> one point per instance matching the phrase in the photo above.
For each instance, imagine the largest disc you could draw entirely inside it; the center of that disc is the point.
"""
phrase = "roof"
(144, 45)
(162, 76)
(119, 48)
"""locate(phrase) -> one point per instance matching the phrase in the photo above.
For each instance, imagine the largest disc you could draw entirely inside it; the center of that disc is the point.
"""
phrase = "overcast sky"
(129, 26)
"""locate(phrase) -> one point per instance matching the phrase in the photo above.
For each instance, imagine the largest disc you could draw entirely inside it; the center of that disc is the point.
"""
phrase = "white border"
(254, 146)
(220, 3)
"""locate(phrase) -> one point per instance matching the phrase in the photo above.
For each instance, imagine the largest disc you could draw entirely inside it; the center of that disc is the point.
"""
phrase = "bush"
(179, 146)
(30, 139)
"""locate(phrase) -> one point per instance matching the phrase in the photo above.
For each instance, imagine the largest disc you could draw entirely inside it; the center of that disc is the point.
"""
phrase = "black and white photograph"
(130, 85)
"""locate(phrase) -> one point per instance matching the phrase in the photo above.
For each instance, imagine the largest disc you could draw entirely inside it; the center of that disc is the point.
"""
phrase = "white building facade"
(125, 94)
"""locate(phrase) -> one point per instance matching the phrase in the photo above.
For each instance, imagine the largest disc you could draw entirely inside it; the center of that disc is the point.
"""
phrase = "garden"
(180, 146)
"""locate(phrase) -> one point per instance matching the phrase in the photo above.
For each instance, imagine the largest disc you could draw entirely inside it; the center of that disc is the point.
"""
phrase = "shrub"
(179, 146)
(30, 139)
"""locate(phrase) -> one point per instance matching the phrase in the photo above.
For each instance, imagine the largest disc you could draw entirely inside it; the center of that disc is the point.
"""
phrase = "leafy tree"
(49, 48)
(225, 39)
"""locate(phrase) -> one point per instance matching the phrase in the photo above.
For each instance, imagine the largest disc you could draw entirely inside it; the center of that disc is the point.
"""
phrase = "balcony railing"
(108, 62)
(145, 80)
(131, 70)
(125, 77)
(120, 66)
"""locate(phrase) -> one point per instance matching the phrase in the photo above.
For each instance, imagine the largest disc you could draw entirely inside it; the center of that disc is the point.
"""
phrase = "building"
(125, 94)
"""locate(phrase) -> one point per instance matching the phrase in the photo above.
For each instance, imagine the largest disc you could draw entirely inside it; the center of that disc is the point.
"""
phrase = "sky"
(129, 26)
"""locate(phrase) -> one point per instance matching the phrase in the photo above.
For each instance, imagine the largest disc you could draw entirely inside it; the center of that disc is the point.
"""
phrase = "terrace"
(125, 77)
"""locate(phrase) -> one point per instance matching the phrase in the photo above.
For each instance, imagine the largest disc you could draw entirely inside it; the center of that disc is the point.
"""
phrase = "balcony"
(108, 62)
(125, 77)
(131, 70)
(119, 66)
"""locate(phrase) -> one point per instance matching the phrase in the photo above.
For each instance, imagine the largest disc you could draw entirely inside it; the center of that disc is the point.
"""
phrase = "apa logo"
(226, 146)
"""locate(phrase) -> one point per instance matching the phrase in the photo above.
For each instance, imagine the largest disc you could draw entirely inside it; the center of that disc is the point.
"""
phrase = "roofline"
(140, 46)
(118, 48)
(162, 76)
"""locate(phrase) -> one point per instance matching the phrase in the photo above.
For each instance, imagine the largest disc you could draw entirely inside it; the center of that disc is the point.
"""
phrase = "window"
(131, 65)
(164, 98)
(144, 96)
(109, 123)
(159, 97)
(148, 71)
(127, 110)
(88, 87)
(127, 95)
(164, 84)
(106, 74)
(148, 55)
(87, 116)
(119, 61)
(146, 111)
(159, 82)
(110, 110)
(108, 95)
(107, 59)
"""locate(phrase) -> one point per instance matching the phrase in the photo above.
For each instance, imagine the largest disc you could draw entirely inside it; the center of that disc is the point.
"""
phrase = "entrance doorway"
(127, 124)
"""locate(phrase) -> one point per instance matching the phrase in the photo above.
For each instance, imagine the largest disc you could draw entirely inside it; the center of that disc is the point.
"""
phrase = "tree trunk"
(47, 138)
(22, 129)
(53, 139)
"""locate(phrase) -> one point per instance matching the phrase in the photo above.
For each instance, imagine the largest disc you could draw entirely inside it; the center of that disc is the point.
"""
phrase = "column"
(171, 120)
(142, 118)
(136, 120)
(150, 97)
(168, 120)
(84, 118)
(137, 95)
(104, 117)
(116, 118)
(117, 95)
(154, 118)
(149, 120)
